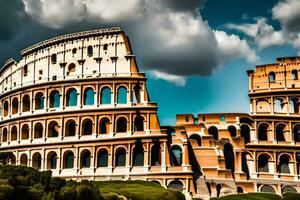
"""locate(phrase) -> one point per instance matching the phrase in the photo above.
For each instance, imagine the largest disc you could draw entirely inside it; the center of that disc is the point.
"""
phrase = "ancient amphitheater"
(77, 105)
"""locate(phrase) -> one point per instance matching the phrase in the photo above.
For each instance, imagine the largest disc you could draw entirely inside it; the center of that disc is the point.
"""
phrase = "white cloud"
(178, 80)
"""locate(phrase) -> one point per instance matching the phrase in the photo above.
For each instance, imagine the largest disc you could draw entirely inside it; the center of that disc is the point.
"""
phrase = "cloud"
(178, 80)
(263, 34)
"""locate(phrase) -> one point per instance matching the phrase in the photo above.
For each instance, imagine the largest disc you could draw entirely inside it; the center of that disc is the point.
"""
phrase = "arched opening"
(38, 130)
(229, 157)
(298, 164)
(102, 158)
(120, 157)
(26, 103)
(5, 108)
(68, 160)
(89, 96)
(12, 160)
(176, 185)
(85, 159)
(137, 93)
(53, 58)
(39, 101)
(71, 97)
(155, 154)
(245, 168)
(195, 140)
(267, 189)
(37, 160)
(4, 135)
(52, 160)
(218, 188)
(105, 96)
(25, 132)
(122, 95)
(232, 131)
(288, 188)
(54, 99)
(296, 133)
(90, 51)
(70, 128)
(53, 129)
(279, 106)
(15, 106)
(283, 165)
(121, 125)
(14, 133)
(263, 132)
(23, 160)
(104, 125)
(263, 163)
(176, 153)
(272, 77)
(71, 69)
(138, 155)
(87, 127)
(213, 131)
(280, 129)
(239, 190)
(139, 123)
(295, 74)
(245, 133)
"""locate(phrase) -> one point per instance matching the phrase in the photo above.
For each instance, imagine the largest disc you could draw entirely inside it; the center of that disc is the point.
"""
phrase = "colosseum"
(77, 105)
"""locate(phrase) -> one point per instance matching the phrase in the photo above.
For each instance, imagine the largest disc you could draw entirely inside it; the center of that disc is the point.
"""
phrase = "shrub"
(68, 193)
(291, 196)
(6, 191)
(57, 183)
(111, 196)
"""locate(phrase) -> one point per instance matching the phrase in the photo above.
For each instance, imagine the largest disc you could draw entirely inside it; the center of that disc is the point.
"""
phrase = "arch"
(53, 58)
(14, 133)
(68, 161)
(296, 133)
(38, 130)
(4, 135)
(87, 127)
(245, 167)
(263, 163)
(71, 99)
(176, 157)
(283, 165)
(280, 130)
(54, 99)
(295, 74)
(263, 105)
(90, 51)
(263, 131)
(37, 160)
(102, 158)
(15, 105)
(279, 105)
(53, 129)
(138, 155)
(245, 133)
(121, 125)
(70, 128)
(232, 131)
(85, 159)
(155, 154)
(89, 96)
(288, 188)
(120, 157)
(239, 190)
(122, 95)
(195, 140)
(52, 160)
(139, 123)
(229, 157)
(267, 189)
(105, 95)
(272, 77)
(176, 185)
(104, 125)
(13, 160)
(137, 93)
(25, 132)
(213, 131)
(39, 101)
(26, 103)
(24, 160)
(218, 188)
(5, 108)
(71, 68)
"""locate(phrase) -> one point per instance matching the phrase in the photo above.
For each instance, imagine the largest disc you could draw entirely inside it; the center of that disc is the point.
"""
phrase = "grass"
(257, 196)
(137, 190)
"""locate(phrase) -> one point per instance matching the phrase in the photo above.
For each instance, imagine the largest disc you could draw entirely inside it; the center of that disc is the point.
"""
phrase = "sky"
(195, 52)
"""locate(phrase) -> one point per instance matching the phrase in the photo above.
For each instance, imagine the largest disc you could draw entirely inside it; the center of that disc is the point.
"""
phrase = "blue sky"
(195, 52)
